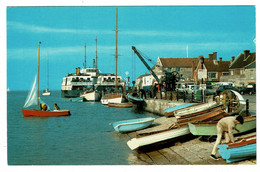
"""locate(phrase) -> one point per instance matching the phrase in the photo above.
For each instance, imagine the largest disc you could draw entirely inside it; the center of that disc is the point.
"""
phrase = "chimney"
(214, 55)
(210, 56)
(246, 54)
(220, 59)
(233, 58)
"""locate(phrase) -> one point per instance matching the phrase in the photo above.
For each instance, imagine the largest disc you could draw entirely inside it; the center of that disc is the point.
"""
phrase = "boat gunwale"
(123, 124)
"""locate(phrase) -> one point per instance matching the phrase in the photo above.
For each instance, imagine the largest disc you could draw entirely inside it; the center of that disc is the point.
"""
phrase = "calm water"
(84, 138)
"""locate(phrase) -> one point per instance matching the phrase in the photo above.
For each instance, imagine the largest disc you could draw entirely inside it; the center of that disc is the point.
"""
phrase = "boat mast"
(85, 57)
(96, 53)
(47, 73)
(116, 53)
(38, 75)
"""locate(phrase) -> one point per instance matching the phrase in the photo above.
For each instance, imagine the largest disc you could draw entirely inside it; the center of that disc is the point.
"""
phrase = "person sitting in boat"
(43, 107)
(226, 125)
(56, 107)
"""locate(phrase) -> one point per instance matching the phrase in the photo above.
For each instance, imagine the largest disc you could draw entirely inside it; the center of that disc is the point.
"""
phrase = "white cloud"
(41, 29)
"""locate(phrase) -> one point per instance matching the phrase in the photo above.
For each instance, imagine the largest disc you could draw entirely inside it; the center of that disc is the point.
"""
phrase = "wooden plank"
(158, 158)
(173, 157)
(200, 117)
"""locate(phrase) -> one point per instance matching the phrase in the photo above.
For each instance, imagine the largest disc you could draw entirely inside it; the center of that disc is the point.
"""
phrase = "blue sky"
(158, 31)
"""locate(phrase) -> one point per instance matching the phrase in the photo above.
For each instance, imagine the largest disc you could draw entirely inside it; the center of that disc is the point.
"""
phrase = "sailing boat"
(91, 94)
(47, 92)
(34, 99)
(113, 97)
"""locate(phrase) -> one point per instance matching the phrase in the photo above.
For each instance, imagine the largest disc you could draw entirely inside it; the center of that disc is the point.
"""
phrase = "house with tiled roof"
(214, 69)
(184, 66)
(243, 69)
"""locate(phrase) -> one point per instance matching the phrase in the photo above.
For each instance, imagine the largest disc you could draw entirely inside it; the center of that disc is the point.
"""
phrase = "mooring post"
(247, 107)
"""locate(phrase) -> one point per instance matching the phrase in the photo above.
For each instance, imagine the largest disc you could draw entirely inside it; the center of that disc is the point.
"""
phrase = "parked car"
(225, 87)
(250, 89)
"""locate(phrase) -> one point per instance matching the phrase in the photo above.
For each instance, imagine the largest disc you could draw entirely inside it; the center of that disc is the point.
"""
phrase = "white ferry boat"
(74, 85)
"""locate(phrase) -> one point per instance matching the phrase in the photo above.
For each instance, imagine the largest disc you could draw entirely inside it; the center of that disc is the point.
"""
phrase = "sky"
(157, 31)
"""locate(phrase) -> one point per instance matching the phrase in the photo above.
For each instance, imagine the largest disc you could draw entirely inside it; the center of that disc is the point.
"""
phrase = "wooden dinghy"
(216, 114)
(39, 113)
(132, 124)
(177, 130)
(240, 150)
(138, 142)
(170, 111)
(33, 99)
(209, 128)
(120, 105)
(193, 109)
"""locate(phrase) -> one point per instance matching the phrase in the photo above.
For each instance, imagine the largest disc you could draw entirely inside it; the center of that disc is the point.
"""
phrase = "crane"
(146, 65)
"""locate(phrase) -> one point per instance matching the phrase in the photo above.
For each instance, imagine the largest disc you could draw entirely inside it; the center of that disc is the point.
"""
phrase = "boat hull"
(170, 111)
(209, 129)
(71, 93)
(132, 125)
(134, 99)
(240, 150)
(136, 143)
(91, 96)
(78, 99)
(46, 93)
(120, 105)
(112, 98)
(38, 113)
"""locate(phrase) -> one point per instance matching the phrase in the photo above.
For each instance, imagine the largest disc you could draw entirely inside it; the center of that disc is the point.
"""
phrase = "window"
(225, 73)
(232, 72)
(178, 69)
(169, 69)
(252, 76)
(213, 75)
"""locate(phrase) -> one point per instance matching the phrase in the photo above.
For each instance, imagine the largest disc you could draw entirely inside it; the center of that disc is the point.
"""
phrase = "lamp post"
(202, 90)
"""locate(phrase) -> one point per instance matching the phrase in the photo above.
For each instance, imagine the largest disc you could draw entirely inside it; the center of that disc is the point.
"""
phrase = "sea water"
(84, 138)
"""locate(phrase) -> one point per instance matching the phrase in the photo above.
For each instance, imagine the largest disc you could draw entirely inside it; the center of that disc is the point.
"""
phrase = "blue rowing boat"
(132, 124)
(238, 151)
(170, 111)
(134, 99)
(78, 99)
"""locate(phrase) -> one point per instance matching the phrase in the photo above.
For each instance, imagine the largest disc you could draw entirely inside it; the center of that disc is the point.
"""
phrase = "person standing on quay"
(226, 125)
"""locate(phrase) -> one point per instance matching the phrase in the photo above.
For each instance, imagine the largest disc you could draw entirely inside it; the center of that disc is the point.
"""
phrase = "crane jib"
(146, 65)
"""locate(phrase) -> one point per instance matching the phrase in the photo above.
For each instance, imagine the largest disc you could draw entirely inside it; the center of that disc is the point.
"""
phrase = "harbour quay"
(187, 150)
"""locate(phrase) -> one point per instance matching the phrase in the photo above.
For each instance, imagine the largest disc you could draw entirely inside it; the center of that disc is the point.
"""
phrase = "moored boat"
(209, 128)
(77, 99)
(112, 98)
(121, 105)
(91, 96)
(47, 92)
(132, 124)
(134, 99)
